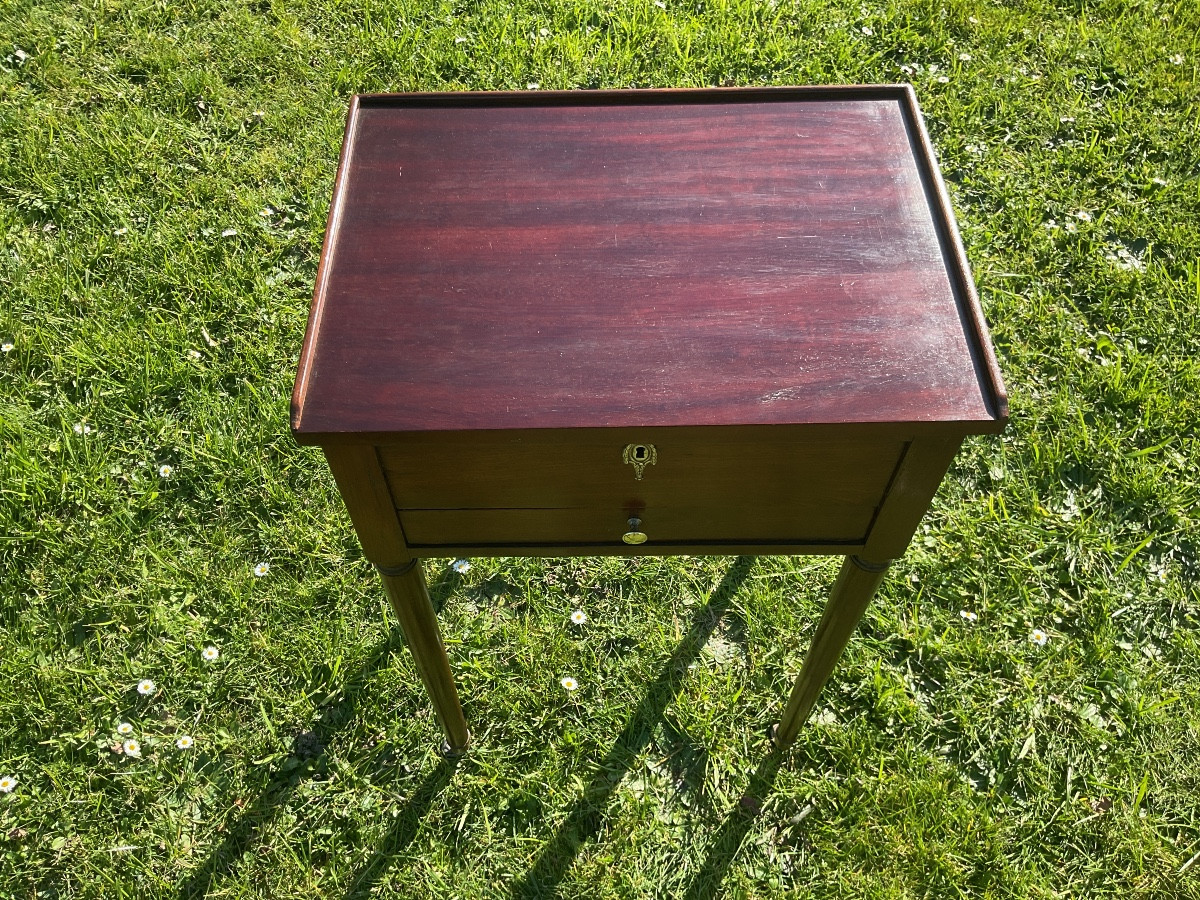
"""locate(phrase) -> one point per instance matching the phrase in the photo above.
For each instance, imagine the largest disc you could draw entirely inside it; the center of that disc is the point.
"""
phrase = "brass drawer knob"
(634, 535)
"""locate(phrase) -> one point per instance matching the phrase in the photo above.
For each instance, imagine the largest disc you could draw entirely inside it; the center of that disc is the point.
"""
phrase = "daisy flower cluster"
(127, 743)
(931, 70)
(578, 619)
(1037, 636)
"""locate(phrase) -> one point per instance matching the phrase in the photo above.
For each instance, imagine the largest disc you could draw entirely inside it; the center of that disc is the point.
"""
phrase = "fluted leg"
(855, 586)
(405, 586)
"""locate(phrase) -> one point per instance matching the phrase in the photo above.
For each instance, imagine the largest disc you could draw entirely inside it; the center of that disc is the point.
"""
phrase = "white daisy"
(1038, 637)
(132, 748)
(7, 783)
(578, 617)
(229, 232)
(570, 683)
(124, 728)
(185, 742)
(164, 471)
(968, 615)
(210, 653)
(1177, 59)
(145, 687)
(964, 57)
(6, 347)
(461, 566)
(193, 354)
(262, 569)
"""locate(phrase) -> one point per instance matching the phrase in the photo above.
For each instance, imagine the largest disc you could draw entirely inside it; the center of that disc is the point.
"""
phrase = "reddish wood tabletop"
(637, 258)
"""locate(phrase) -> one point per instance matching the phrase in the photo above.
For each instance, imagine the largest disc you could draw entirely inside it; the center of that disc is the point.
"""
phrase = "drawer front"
(426, 528)
(764, 485)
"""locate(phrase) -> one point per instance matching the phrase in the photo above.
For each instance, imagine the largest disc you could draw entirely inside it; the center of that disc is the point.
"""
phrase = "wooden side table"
(650, 322)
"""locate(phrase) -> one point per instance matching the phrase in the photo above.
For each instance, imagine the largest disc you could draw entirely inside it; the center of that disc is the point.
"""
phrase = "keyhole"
(639, 456)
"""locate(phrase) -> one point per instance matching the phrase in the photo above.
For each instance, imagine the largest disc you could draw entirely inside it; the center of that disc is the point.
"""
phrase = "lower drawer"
(425, 528)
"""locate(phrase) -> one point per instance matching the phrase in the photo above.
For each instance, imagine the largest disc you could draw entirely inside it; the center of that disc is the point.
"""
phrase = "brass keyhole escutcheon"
(634, 535)
(639, 456)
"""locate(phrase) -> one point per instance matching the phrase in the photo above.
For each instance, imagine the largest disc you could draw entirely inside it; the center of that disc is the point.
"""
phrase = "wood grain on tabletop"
(673, 263)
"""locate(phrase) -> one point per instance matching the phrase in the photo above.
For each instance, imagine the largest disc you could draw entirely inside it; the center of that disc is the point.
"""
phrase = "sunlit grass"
(165, 170)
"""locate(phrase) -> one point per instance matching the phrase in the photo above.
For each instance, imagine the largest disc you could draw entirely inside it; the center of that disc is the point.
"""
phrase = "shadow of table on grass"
(737, 825)
(287, 775)
(587, 816)
(403, 831)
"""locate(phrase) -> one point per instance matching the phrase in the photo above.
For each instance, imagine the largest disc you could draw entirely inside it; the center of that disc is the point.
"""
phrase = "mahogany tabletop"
(738, 256)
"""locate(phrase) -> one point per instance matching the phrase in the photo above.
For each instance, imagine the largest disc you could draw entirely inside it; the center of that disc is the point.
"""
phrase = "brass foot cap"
(455, 752)
(773, 734)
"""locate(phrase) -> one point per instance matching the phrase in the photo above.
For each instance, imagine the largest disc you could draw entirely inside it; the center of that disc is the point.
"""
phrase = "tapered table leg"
(852, 591)
(405, 586)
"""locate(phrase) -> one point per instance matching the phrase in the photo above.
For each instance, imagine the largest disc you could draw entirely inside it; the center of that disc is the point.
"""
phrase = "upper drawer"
(809, 484)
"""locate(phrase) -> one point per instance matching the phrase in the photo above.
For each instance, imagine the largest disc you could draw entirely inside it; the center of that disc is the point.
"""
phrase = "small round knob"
(634, 535)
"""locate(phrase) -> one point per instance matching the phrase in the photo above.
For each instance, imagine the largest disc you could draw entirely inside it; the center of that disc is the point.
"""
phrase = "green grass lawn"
(165, 171)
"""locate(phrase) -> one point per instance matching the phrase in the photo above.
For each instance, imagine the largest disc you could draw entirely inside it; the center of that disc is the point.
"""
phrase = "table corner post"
(363, 485)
